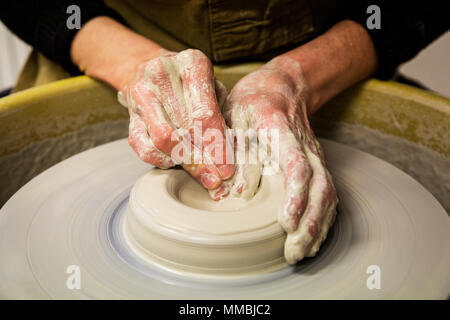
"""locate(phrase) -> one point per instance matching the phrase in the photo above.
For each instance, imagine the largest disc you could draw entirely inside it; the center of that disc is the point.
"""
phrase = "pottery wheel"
(75, 214)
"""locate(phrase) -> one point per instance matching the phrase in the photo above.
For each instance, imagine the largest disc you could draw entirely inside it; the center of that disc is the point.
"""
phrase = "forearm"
(107, 50)
(332, 62)
(43, 24)
(403, 32)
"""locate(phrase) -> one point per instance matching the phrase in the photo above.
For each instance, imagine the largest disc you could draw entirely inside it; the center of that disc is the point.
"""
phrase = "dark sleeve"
(406, 28)
(42, 24)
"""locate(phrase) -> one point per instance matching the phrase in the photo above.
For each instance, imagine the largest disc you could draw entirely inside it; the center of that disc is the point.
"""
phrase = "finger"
(248, 177)
(286, 148)
(143, 145)
(157, 123)
(330, 214)
(249, 164)
(222, 191)
(248, 170)
(206, 173)
(312, 225)
(221, 93)
(163, 79)
(166, 87)
(164, 136)
(202, 107)
(297, 174)
(327, 223)
(244, 183)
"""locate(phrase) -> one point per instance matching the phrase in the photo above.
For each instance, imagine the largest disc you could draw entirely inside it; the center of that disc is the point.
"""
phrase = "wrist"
(106, 50)
(341, 57)
(121, 73)
(294, 75)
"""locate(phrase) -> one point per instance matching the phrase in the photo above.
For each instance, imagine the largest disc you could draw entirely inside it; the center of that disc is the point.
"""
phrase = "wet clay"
(171, 219)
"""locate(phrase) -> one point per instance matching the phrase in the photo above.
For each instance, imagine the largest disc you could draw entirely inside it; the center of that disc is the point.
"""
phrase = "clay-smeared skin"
(172, 91)
(273, 99)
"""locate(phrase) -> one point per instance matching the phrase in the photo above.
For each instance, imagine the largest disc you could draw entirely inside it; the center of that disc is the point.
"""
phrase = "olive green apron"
(225, 30)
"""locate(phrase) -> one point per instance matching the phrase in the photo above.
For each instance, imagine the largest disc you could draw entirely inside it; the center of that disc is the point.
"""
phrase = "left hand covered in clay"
(274, 97)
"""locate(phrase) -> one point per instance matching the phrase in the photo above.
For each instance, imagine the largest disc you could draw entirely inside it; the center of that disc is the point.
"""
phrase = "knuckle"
(142, 151)
(313, 227)
(160, 141)
(194, 52)
(154, 66)
(147, 152)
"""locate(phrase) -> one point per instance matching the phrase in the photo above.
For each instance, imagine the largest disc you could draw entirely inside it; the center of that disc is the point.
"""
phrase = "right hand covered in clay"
(177, 91)
(274, 98)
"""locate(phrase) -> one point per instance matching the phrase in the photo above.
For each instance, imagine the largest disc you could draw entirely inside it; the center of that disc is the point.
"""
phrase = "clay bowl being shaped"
(172, 221)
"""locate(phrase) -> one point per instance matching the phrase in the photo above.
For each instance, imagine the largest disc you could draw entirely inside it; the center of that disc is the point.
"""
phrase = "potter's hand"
(274, 97)
(177, 91)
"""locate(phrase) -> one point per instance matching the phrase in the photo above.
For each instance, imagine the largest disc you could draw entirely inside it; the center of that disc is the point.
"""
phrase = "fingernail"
(221, 193)
(210, 181)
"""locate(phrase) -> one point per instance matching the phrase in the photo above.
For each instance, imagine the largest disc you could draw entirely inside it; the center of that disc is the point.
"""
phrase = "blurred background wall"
(13, 53)
(431, 67)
